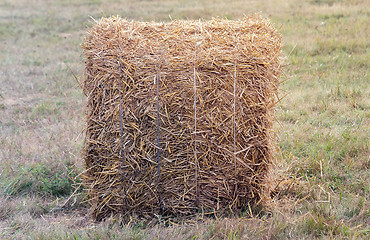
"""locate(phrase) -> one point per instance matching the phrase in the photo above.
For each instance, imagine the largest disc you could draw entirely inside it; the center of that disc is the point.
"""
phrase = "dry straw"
(203, 90)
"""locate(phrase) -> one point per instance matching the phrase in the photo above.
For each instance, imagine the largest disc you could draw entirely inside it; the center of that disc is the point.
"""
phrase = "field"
(323, 130)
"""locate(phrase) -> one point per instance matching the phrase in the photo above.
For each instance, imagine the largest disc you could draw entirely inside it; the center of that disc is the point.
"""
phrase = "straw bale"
(224, 164)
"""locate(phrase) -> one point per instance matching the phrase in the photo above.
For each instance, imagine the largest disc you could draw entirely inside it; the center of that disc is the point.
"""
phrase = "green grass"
(40, 179)
(322, 157)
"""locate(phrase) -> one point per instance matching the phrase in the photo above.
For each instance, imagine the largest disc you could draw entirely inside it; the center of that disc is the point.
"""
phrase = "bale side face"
(224, 163)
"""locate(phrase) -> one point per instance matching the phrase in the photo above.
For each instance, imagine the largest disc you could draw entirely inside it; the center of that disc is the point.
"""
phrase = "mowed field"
(321, 175)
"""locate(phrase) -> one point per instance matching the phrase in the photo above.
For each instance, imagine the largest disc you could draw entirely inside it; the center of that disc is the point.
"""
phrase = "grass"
(322, 158)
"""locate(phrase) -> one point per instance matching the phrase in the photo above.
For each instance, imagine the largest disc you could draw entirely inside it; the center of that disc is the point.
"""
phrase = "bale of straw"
(217, 82)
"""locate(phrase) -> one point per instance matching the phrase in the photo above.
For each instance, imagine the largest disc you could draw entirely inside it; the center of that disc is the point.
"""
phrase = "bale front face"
(212, 84)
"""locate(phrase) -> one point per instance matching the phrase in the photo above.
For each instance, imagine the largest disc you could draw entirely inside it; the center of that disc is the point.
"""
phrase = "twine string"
(121, 130)
(158, 149)
(234, 118)
(195, 129)
(234, 107)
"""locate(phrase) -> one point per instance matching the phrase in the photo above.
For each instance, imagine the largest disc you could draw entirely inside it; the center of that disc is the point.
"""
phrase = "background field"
(322, 158)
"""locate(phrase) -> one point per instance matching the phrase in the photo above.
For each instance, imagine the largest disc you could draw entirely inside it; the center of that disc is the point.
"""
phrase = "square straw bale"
(217, 83)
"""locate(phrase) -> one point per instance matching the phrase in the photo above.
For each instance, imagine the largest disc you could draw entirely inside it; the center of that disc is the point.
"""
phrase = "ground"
(322, 159)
